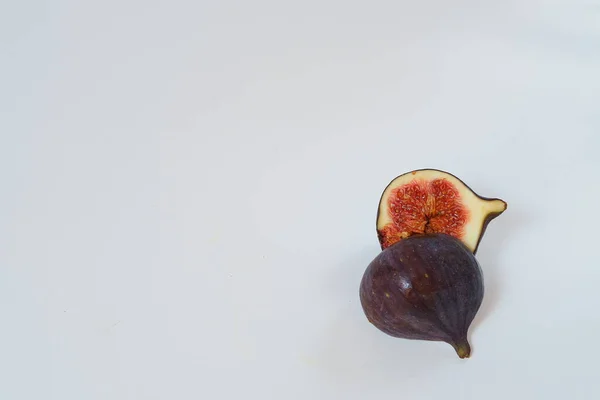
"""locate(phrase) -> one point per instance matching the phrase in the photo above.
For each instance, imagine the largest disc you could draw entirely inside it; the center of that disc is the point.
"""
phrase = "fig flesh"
(433, 201)
(426, 287)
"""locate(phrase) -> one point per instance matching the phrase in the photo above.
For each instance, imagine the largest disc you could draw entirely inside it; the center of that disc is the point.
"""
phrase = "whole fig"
(426, 287)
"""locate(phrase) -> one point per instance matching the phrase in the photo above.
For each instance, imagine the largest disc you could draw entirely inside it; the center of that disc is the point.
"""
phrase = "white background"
(189, 191)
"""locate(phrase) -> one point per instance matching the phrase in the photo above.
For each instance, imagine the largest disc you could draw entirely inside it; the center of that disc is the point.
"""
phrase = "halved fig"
(430, 201)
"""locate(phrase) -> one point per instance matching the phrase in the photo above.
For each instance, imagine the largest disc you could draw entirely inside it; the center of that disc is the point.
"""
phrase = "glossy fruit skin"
(426, 287)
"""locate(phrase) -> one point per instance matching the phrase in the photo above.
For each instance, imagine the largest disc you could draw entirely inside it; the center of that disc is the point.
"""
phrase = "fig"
(426, 287)
(432, 201)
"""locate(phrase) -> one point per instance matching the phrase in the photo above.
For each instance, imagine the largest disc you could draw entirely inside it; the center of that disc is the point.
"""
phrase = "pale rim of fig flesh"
(469, 213)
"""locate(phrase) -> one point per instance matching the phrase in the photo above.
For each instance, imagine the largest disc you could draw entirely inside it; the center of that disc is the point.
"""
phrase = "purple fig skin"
(425, 287)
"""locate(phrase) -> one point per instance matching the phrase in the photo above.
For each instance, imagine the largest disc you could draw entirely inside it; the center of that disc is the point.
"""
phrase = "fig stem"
(462, 347)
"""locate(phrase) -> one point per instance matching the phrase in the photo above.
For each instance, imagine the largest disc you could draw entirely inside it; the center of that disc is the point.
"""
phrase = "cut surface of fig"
(426, 287)
(432, 201)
